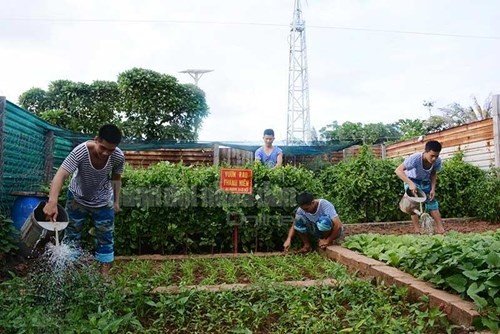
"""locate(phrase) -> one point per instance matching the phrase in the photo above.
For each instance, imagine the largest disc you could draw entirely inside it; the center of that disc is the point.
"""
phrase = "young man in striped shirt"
(94, 190)
(419, 170)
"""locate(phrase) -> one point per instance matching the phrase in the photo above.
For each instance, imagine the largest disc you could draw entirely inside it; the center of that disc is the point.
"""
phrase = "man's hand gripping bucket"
(412, 203)
(37, 231)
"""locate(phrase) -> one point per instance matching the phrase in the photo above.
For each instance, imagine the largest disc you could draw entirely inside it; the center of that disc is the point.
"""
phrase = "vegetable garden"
(467, 264)
(86, 304)
(175, 209)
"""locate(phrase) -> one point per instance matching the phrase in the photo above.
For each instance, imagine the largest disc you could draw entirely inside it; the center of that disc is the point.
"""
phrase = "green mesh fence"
(30, 151)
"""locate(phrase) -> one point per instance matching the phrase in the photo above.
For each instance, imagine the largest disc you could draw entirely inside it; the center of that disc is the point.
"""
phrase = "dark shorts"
(324, 224)
(426, 188)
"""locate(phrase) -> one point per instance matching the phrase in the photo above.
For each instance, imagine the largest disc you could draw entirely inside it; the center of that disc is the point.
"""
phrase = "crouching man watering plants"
(317, 218)
(94, 190)
(419, 170)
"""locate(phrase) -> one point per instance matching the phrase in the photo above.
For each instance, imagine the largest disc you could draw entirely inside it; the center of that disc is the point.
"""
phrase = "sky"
(369, 61)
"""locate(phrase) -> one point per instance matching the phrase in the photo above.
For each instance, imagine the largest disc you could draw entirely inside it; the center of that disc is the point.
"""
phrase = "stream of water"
(60, 272)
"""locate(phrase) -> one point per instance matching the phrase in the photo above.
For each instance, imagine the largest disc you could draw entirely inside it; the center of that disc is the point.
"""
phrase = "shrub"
(364, 188)
(8, 235)
(458, 186)
(171, 208)
(485, 201)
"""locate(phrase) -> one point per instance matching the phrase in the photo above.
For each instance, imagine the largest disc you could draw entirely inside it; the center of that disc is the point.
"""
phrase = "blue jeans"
(103, 218)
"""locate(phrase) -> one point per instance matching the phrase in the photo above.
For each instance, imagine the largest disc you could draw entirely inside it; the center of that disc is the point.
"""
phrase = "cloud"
(368, 60)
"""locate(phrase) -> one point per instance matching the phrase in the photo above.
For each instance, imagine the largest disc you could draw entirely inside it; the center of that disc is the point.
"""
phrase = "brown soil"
(459, 225)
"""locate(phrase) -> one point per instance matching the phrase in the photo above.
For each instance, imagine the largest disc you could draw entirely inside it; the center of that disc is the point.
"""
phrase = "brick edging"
(458, 311)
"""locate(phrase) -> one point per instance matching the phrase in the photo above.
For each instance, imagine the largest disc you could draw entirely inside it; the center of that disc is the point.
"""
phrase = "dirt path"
(459, 225)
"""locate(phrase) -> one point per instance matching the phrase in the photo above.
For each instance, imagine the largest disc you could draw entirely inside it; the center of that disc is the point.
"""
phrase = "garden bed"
(462, 225)
(203, 270)
(465, 264)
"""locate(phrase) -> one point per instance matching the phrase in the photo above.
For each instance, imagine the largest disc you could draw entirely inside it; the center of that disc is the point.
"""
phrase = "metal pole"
(496, 128)
(235, 236)
(216, 155)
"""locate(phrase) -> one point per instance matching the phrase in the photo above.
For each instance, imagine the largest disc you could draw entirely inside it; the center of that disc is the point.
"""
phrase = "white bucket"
(410, 203)
(35, 233)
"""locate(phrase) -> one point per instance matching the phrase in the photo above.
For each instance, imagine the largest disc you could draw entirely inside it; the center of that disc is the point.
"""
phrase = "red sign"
(238, 181)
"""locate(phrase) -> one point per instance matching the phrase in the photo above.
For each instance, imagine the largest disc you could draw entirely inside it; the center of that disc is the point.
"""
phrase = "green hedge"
(171, 208)
(364, 189)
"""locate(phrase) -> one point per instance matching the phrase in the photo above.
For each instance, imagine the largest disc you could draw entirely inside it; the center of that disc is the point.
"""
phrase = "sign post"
(237, 181)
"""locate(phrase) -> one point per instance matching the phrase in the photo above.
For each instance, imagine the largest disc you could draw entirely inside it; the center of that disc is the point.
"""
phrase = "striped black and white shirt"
(90, 186)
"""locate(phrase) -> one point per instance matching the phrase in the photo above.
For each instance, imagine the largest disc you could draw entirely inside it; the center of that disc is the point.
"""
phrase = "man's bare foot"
(304, 250)
(105, 269)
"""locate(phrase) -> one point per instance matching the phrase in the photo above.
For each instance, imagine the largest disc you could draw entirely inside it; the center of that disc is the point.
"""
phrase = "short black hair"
(110, 133)
(433, 145)
(269, 132)
(304, 198)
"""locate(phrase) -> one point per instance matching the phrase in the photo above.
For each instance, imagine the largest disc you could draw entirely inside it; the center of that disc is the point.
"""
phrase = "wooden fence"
(479, 141)
(187, 156)
(233, 156)
(475, 140)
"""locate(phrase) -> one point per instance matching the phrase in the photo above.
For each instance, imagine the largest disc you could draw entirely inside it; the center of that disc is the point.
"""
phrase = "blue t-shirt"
(415, 167)
(325, 208)
(270, 159)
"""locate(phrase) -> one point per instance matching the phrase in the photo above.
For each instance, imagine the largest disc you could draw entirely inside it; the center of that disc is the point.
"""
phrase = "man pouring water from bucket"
(94, 190)
(419, 170)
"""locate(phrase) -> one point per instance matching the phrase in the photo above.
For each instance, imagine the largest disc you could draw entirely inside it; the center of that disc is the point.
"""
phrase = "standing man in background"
(419, 170)
(268, 154)
(94, 190)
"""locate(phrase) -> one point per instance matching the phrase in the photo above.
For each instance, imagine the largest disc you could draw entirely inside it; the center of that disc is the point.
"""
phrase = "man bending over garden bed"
(94, 190)
(317, 218)
(419, 170)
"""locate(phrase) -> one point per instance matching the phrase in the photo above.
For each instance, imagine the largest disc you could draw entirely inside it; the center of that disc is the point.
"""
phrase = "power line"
(262, 24)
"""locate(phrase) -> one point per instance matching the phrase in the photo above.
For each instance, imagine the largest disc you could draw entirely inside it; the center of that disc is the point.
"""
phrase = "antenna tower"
(298, 123)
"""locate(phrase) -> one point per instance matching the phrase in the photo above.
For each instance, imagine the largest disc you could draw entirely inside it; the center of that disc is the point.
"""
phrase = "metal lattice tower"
(298, 123)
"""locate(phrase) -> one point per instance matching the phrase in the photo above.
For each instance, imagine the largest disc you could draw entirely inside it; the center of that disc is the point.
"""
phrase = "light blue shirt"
(270, 159)
(325, 208)
(414, 165)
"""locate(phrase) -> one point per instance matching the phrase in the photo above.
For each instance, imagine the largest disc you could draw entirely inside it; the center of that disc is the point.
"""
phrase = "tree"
(410, 128)
(156, 106)
(368, 133)
(454, 115)
(75, 106)
(436, 123)
(34, 100)
(145, 104)
(477, 112)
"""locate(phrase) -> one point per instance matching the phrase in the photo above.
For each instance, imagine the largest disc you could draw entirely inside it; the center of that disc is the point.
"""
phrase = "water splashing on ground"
(426, 223)
(62, 273)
